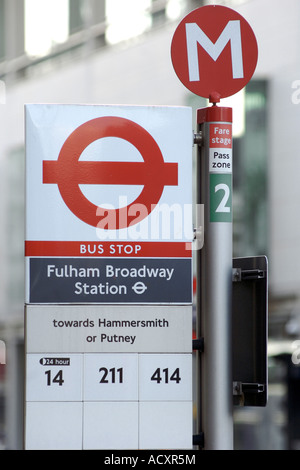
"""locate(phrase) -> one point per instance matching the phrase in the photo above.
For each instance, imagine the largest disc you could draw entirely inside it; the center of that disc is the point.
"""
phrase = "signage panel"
(129, 329)
(103, 173)
(150, 393)
(105, 280)
(108, 224)
(214, 52)
(108, 182)
(54, 377)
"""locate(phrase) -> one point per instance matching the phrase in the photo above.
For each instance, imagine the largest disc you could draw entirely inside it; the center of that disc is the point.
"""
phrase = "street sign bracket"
(198, 138)
(239, 274)
(198, 440)
(242, 390)
(249, 331)
(199, 236)
(198, 344)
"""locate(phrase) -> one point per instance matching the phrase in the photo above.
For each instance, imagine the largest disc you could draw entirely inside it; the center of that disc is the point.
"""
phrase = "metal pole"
(214, 276)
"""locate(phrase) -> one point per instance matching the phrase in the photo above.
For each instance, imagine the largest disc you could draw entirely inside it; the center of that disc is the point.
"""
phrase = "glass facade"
(250, 175)
(2, 30)
(14, 226)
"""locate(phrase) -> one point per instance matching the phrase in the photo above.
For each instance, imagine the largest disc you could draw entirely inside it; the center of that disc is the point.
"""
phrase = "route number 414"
(163, 375)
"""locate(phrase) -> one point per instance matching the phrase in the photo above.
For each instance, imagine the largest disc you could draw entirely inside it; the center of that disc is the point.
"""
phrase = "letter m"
(195, 36)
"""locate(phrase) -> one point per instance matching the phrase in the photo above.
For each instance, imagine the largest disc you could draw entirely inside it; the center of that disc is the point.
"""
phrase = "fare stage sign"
(108, 204)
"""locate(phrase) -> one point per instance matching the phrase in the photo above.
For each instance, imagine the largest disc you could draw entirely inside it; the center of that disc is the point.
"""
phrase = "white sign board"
(147, 396)
(108, 224)
(108, 204)
(108, 173)
(109, 329)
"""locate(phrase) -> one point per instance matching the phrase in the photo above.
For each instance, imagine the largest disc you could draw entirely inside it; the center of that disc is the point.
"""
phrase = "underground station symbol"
(68, 172)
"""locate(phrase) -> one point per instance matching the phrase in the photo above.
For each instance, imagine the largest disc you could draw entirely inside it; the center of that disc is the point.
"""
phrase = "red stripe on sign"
(108, 249)
(109, 172)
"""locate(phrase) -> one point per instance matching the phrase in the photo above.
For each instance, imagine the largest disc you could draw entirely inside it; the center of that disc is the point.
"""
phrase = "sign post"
(214, 54)
(215, 276)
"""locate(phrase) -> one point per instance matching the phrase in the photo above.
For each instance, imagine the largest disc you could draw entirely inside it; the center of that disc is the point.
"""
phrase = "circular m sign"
(214, 52)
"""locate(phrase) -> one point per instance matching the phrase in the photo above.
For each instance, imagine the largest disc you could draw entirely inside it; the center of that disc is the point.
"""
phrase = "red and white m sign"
(214, 51)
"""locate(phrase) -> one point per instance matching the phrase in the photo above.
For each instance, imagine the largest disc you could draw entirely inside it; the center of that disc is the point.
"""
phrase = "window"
(46, 24)
(85, 13)
(14, 264)
(2, 30)
(126, 19)
(250, 174)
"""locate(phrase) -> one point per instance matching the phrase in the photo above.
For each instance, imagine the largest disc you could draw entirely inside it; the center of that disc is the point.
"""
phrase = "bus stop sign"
(214, 52)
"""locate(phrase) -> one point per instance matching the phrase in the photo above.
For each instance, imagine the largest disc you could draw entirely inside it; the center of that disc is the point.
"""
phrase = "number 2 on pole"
(222, 207)
(220, 197)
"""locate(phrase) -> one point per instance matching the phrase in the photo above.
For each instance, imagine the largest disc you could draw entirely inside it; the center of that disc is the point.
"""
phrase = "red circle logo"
(68, 172)
(214, 52)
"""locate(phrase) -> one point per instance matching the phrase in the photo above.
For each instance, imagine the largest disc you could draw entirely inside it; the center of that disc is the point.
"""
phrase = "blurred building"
(116, 52)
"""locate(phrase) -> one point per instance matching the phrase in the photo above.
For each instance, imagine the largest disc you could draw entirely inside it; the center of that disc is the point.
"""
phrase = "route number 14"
(57, 379)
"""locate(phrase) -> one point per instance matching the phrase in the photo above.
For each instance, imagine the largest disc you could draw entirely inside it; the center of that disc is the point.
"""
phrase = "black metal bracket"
(198, 344)
(240, 388)
(249, 330)
(198, 138)
(198, 440)
(239, 274)
(241, 391)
